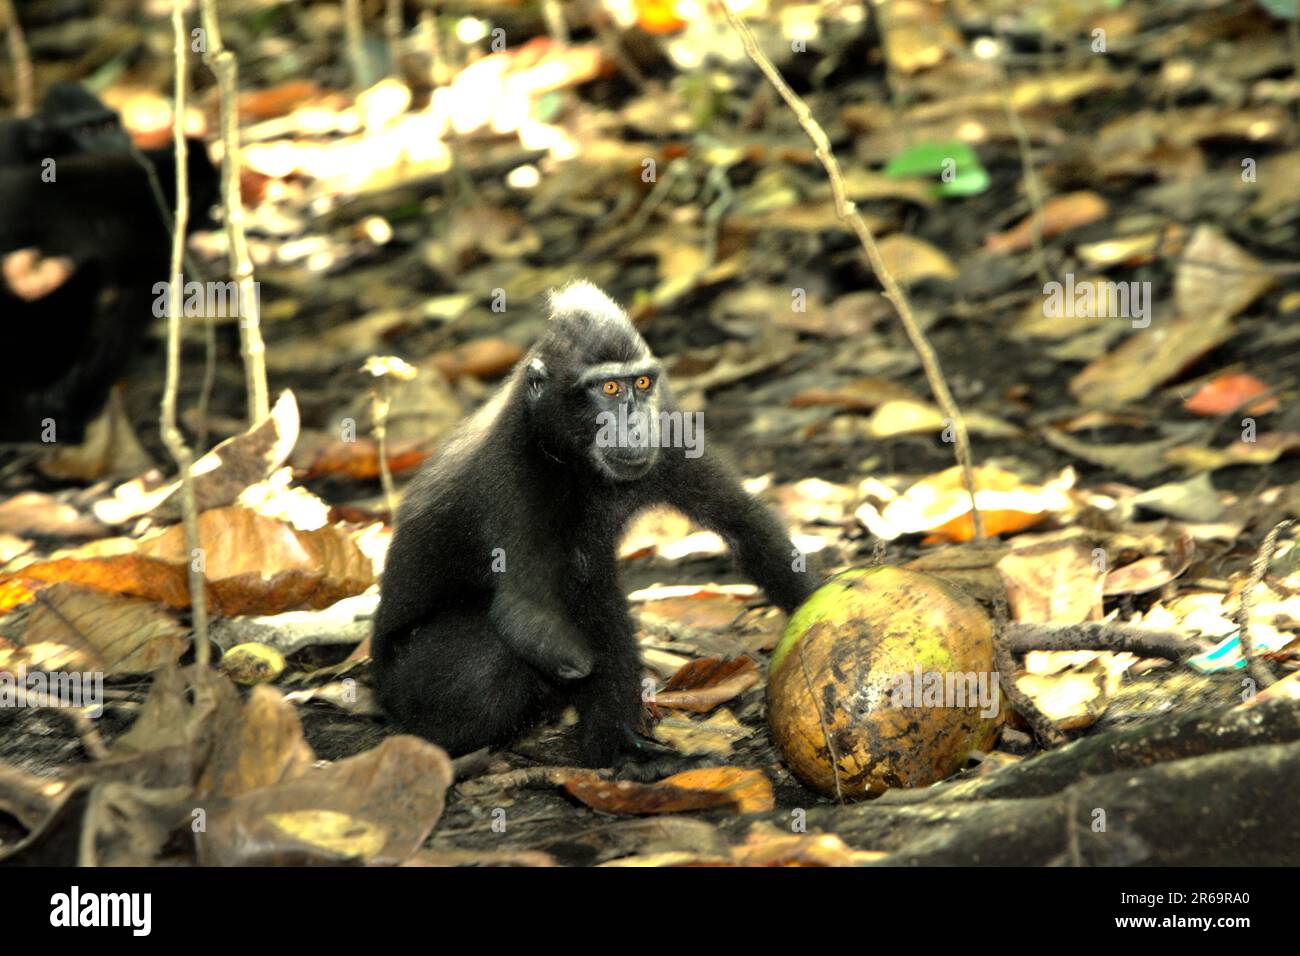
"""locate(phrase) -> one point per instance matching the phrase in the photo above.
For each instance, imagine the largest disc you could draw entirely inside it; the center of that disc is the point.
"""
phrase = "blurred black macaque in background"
(83, 241)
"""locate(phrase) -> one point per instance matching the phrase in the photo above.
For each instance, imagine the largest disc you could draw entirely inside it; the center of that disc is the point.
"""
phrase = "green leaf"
(956, 159)
(1282, 9)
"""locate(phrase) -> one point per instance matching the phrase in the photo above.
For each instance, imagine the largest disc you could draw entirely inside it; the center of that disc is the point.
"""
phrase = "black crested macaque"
(501, 598)
(82, 244)
(71, 120)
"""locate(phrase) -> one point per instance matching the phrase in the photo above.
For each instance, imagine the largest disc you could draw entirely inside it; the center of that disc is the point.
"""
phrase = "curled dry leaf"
(704, 609)
(913, 260)
(252, 565)
(36, 513)
(1155, 571)
(917, 36)
(716, 734)
(1072, 699)
(220, 476)
(766, 845)
(265, 747)
(1134, 459)
(858, 395)
(256, 565)
(704, 684)
(376, 808)
(1264, 450)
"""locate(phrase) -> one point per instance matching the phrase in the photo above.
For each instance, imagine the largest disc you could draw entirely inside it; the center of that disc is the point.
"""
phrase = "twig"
(1022, 638)
(171, 434)
(1033, 189)
(439, 71)
(1293, 35)
(24, 99)
(555, 22)
(1046, 731)
(209, 380)
(612, 46)
(191, 268)
(382, 401)
(1257, 669)
(470, 765)
(847, 213)
(1029, 176)
(226, 68)
(93, 744)
(393, 33)
(355, 39)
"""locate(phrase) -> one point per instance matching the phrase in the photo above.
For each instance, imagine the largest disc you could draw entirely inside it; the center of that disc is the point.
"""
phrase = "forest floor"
(1022, 165)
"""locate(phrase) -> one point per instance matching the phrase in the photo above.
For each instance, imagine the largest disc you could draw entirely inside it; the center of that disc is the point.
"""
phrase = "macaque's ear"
(536, 376)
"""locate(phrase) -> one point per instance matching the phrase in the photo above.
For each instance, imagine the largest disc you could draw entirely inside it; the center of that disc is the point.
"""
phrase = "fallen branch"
(1257, 669)
(1004, 659)
(1096, 636)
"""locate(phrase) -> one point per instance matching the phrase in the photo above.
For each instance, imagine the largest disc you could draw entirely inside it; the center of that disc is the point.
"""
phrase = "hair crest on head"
(582, 298)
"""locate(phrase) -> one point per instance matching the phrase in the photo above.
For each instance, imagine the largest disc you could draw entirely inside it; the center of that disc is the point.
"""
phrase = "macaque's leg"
(456, 683)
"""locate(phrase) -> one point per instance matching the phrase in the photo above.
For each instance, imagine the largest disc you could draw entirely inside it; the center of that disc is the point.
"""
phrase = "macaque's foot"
(647, 760)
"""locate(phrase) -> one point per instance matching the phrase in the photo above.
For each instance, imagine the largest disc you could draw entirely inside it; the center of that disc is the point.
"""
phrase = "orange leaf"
(1228, 393)
(658, 16)
(1060, 214)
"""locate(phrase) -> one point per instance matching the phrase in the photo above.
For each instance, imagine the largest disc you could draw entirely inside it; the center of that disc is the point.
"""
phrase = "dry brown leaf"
(80, 629)
(1264, 450)
(265, 747)
(1148, 358)
(257, 565)
(941, 505)
(703, 684)
(1055, 580)
(913, 260)
(218, 477)
(377, 808)
(1216, 278)
(252, 565)
(730, 788)
(34, 513)
(482, 358)
(1060, 214)
(858, 395)
(1153, 571)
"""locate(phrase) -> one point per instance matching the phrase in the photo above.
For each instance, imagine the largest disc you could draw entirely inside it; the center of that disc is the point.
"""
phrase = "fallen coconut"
(883, 678)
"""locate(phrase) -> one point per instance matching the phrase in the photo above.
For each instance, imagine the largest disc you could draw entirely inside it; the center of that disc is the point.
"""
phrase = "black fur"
(101, 214)
(467, 653)
(71, 120)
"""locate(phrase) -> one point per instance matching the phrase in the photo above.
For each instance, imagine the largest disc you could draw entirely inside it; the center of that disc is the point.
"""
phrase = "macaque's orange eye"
(610, 387)
(643, 382)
